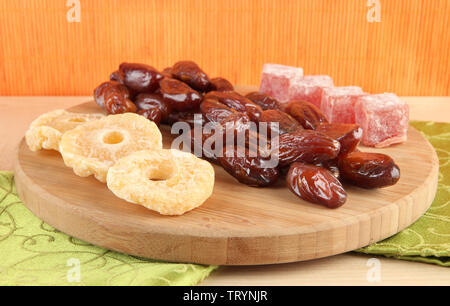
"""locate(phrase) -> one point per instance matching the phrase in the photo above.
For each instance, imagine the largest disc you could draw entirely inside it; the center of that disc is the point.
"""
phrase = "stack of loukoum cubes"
(383, 117)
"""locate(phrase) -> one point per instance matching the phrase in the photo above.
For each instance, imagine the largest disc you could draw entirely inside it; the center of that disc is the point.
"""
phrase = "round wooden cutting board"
(237, 225)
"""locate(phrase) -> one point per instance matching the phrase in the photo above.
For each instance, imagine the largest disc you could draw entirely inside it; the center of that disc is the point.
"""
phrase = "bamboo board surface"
(238, 225)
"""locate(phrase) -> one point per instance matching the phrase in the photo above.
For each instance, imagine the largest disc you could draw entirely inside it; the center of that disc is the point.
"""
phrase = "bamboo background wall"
(408, 52)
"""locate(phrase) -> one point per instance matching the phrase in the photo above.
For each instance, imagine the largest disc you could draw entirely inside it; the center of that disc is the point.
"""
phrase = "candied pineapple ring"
(46, 131)
(92, 148)
(170, 182)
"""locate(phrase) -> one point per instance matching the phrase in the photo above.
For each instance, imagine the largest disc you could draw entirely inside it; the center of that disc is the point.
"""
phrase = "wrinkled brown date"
(114, 98)
(316, 185)
(146, 102)
(115, 76)
(190, 73)
(306, 113)
(305, 146)
(167, 72)
(189, 117)
(369, 170)
(214, 111)
(237, 102)
(220, 84)
(200, 147)
(332, 166)
(264, 101)
(248, 169)
(286, 124)
(179, 95)
(109, 87)
(152, 114)
(139, 78)
(238, 127)
(348, 135)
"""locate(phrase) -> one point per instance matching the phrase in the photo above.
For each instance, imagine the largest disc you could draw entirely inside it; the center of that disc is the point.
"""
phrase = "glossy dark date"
(305, 146)
(220, 84)
(190, 73)
(214, 111)
(316, 185)
(306, 113)
(278, 122)
(179, 95)
(152, 114)
(348, 135)
(154, 100)
(139, 78)
(114, 98)
(369, 170)
(237, 102)
(250, 170)
(264, 101)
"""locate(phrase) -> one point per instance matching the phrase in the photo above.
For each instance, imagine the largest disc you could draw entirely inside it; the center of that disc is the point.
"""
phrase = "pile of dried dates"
(313, 155)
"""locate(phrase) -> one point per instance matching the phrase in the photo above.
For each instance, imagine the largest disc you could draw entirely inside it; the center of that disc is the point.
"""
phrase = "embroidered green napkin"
(33, 253)
(428, 239)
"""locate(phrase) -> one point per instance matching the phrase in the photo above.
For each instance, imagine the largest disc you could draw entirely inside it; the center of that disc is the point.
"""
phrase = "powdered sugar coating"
(338, 103)
(310, 88)
(384, 119)
(277, 79)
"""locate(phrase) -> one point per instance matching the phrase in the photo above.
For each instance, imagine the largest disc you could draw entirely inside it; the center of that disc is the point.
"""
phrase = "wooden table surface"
(16, 113)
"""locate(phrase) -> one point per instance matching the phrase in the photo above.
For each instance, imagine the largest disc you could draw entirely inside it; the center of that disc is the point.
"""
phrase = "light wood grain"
(238, 225)
(347, 269)
(341, 270)
(407, 52)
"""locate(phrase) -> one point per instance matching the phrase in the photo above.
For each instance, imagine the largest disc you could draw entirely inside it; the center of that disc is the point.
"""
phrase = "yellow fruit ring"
(170, 182)
(92, 148)
(46, 131)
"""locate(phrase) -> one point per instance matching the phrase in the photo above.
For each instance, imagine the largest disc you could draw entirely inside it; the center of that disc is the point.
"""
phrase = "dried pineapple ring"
(95, 146)
(45, 132)
(170, 182)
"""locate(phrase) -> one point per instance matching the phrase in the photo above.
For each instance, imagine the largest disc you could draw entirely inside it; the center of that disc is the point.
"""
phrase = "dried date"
(316, 185)
(237, 102)
(152, 114)
(139, 78)
(247, 168)
(189, 117)
(115, 76)
(369, 170)
(214, 111)
(264, 101)
(114, 98)
(348, 135)
(179, 95)
(153, 100)
(190, 73)
(220, 84)
(305, 146)
(285, 123)
(306, 113)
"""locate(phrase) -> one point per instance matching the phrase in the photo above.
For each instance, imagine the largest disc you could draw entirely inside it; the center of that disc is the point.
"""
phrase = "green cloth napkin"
(428, 239)
(34, 253)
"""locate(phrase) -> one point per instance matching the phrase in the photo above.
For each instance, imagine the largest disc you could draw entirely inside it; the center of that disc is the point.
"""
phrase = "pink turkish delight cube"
(310, 88)
(384, 119)
(277, 79)
(338, 103)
